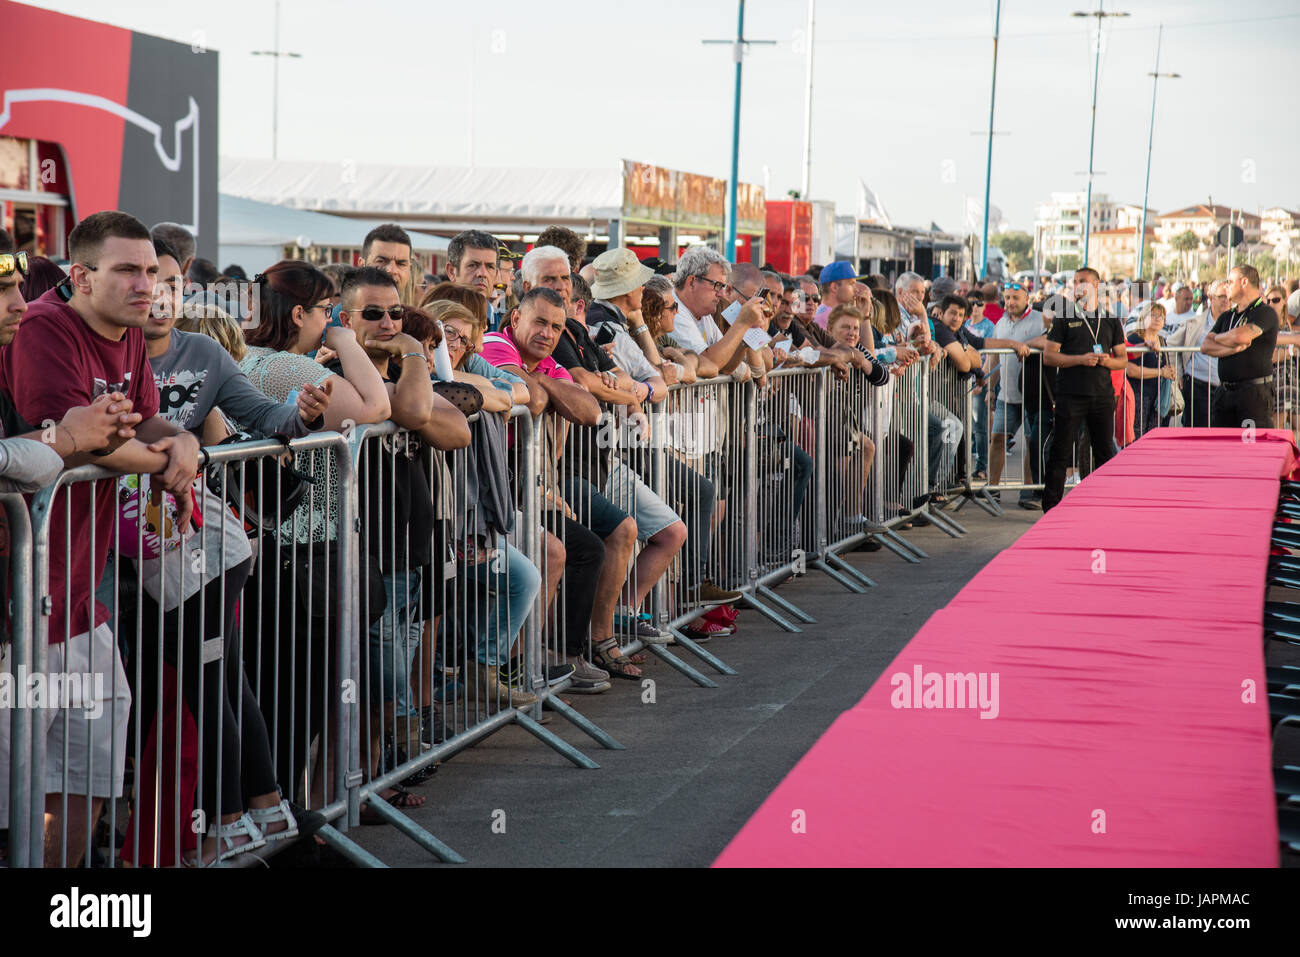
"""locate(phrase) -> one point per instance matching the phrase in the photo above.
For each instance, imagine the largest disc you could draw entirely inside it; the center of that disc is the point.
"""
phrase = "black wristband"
(102, 452)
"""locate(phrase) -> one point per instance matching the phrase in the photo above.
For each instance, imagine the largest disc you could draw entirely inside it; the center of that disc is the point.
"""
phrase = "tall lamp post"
(1151, 135)
(988, 166)
(276, 54)
(738, 52)
(1100, 14)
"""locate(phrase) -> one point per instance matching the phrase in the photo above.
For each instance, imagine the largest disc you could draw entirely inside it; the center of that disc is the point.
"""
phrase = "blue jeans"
(943, 431)
(980, 432)
(511, 583)
(1006, 420)
(395, 641)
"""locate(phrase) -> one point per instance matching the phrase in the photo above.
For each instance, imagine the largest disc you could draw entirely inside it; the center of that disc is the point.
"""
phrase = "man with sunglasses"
(398, 517)
(1243, 340)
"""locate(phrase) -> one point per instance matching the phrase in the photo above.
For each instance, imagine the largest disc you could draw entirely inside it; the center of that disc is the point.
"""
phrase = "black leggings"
(584, 554)
(291, 658)
(238, 754)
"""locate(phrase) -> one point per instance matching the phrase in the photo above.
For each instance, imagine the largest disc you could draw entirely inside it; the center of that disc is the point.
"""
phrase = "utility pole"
(738, 53)
(807, 106)
(1151, 135)
(988, 166)
(1092, 136)
(276, 54)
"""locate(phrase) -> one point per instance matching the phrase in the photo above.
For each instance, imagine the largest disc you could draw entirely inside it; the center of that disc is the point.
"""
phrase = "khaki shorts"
(86, 709)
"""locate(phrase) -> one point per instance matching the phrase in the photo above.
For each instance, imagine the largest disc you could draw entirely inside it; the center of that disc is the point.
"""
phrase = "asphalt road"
(698, 761)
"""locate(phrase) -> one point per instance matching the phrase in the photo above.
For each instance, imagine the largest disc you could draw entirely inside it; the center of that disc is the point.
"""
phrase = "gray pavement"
(698, 761)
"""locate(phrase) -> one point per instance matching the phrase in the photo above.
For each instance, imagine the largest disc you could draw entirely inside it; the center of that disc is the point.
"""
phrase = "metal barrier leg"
(900, 546)
(833, 559)
(694, 648)
(945, 523)
(353, 851)
(768, 613)
(412, 830)
(822, 566)
(787, 606)
(555, 742)
(580, 721)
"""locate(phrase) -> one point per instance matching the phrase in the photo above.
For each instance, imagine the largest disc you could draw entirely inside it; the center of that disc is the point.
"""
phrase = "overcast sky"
(899, 89)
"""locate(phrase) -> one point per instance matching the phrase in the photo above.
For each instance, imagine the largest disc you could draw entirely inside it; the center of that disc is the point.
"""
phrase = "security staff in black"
(1084, 344)
(1243, 340)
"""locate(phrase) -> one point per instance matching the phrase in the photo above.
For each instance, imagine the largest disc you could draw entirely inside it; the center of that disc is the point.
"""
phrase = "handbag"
(315, 572)
(261, 490)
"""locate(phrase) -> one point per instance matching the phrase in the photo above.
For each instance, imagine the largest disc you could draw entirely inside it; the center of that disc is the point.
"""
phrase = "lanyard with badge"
(1096, 346)
(1240, 317)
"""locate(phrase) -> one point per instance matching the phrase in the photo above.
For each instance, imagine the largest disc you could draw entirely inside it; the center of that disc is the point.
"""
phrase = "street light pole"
(1100, 14)
(1151, 135)
(807, 108)
(738, 52)
(988, 166)
(276, 54)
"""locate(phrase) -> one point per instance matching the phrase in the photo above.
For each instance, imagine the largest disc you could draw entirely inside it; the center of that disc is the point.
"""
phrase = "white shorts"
(85, 709)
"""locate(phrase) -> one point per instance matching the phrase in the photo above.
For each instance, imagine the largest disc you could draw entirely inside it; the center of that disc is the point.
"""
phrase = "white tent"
(442, 195)
(254, 234)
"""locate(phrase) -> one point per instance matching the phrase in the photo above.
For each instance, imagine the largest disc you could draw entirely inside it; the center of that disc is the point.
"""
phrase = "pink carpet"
(1121, 629)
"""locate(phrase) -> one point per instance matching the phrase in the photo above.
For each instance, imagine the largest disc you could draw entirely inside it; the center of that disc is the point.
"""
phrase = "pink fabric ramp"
(1124, 631)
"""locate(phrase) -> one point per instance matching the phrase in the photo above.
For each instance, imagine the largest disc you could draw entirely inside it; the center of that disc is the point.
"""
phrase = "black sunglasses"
(376, 314)
(11, 261)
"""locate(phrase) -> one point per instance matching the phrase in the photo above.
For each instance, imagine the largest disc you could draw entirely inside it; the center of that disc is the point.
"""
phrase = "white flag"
(870, 207)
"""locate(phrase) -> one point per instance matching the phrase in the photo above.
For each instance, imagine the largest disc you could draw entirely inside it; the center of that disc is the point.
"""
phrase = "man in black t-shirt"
(1085, 343)
(1243, 340)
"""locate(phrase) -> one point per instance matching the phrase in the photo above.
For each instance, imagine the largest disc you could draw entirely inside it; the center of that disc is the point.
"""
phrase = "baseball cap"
(505, 252)
(660, 267)
(837, 271)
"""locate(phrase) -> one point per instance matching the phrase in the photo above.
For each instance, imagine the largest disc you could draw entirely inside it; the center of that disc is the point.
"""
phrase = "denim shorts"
(1007, 417)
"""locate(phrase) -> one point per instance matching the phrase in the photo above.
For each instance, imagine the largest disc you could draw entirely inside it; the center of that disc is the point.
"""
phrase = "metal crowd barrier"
(385, 627)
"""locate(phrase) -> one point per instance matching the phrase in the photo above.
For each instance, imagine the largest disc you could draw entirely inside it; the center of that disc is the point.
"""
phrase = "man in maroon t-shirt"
(81, 340)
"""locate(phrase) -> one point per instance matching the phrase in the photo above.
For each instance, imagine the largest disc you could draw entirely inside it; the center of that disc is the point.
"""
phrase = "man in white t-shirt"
(1021, 324)
(1182, 309)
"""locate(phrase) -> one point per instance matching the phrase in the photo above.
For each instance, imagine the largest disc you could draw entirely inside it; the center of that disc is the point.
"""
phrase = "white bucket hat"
(618, 272)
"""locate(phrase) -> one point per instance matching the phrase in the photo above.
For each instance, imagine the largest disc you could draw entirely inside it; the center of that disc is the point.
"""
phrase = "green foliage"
(1017, 246)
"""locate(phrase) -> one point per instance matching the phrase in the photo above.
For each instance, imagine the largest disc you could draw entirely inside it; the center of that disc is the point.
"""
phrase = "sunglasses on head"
(376, 314)
(11, 261)
(1013, 285)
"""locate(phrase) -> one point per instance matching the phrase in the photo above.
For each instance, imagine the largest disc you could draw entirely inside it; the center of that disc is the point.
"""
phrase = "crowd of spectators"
(133, 359)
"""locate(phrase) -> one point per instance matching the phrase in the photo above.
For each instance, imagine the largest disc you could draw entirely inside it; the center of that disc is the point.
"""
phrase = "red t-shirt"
(56, 362)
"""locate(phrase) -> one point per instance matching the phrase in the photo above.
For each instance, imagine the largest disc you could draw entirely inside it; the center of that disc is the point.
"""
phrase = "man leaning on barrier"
(31, 459)
(398, 521)
(84, 341)
(1019, 323)
(1243, 340)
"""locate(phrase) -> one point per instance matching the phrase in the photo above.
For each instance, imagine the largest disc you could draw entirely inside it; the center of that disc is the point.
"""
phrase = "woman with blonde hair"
(215, 323)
